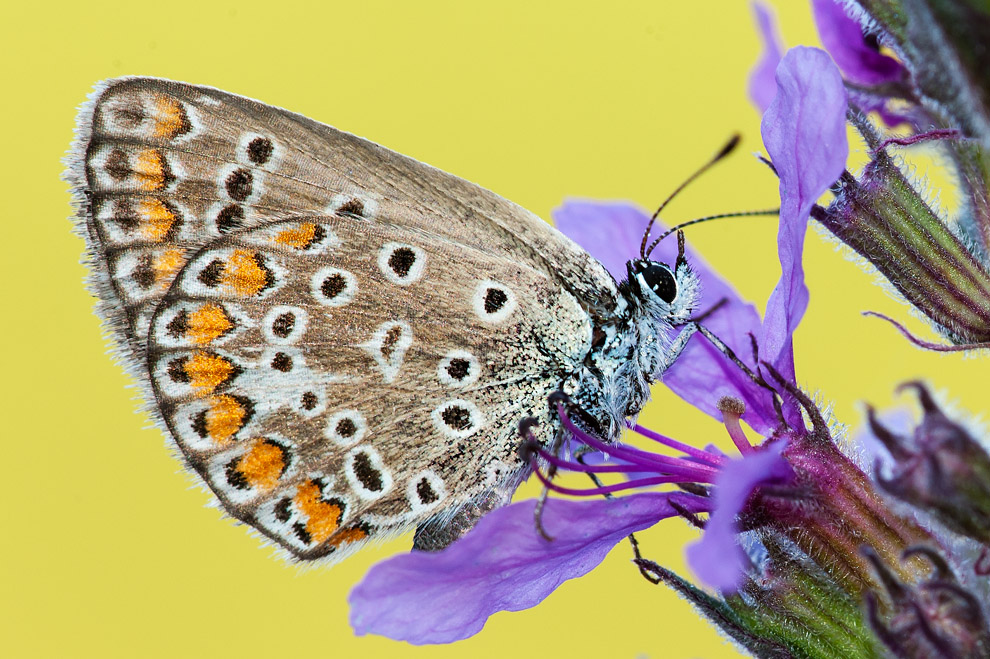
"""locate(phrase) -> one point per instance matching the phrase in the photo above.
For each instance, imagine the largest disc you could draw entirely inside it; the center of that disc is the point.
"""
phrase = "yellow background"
(106, 547)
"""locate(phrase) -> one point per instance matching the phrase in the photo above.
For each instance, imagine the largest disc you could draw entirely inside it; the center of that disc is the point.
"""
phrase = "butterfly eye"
(661, 281)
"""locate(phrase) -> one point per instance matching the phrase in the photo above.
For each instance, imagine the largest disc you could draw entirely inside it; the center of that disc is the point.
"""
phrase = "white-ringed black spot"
(333, 286)
(346, 428)
(458, 368)
(425, 492)
(229, 218)
(365, 472)
(239, 184)
(456, 417)
(259, 150)
(282, 362)
(495, 299)
(401, 261)
(493, 302)
(283, 325)
(309, 401)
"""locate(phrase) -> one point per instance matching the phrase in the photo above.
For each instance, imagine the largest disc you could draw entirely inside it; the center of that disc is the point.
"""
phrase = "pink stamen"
(607, 489)
(647, 461)
(703, 456)
(685, 471)
(732, 409)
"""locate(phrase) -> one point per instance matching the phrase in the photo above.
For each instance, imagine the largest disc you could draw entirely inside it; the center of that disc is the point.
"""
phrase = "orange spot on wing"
(170, 118)
(224, 418)
(245, 273)
(207, 323)
(158, 219)
(152, 170)
(349, 535)
(297, 237)
(262, 465)
(167, 264)
(207, 371)
(323, 517)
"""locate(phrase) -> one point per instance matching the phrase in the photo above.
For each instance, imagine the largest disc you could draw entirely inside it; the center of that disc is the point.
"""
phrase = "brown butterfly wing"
(335, 379)
(162, 168)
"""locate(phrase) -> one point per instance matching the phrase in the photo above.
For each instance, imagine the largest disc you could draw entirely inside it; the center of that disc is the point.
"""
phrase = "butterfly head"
(666, 294)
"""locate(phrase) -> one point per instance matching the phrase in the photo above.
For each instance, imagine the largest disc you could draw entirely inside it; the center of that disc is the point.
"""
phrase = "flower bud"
(885, 220)
(940, 469)
(934, 618)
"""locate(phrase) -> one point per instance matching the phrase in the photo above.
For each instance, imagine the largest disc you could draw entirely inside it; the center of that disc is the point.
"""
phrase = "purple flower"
(717, 559)
(804, 131)
(504, 564)
(762, 86)
(856, 53)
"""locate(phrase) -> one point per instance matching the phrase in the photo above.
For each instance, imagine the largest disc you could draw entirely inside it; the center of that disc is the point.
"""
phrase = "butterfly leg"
(722, 347)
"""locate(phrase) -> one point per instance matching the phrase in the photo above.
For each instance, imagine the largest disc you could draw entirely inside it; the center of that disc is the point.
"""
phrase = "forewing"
(161, 169)
(335, 379)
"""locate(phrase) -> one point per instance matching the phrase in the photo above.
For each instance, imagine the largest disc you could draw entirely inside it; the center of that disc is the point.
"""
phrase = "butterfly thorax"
(632, 348)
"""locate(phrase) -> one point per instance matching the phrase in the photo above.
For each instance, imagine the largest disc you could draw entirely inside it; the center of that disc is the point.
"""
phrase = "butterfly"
(341, 340)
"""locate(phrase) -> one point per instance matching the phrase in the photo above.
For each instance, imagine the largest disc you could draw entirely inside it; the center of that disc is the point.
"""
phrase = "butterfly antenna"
(769, 211)
(723, 152)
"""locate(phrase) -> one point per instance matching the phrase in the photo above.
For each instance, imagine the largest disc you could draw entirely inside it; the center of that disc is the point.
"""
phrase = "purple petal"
(762, 85)
(502, 564)
(804, 131)
(717, 559)
(611, 232)
(843, 37)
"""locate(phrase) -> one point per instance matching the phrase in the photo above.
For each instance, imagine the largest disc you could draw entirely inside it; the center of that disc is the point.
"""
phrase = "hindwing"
(334, 378)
